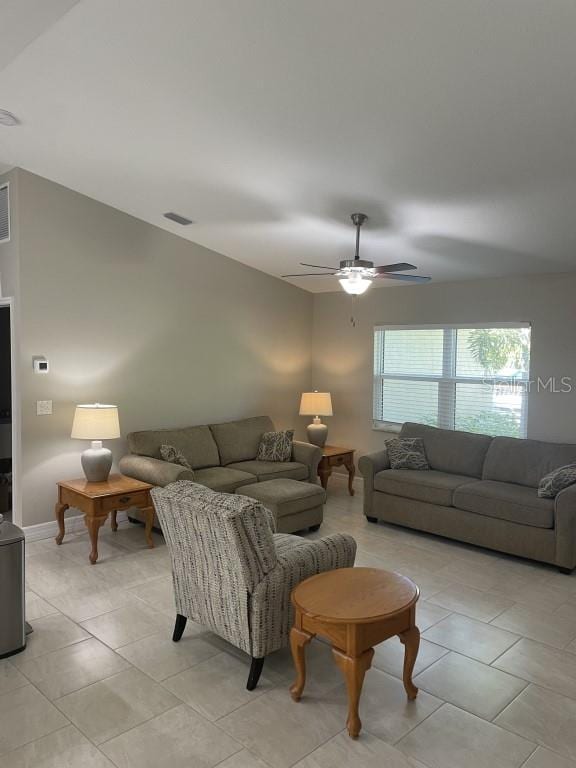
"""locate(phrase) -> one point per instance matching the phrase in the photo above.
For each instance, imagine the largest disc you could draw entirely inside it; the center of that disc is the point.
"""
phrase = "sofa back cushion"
(459, 453)
(239, 440)
(525, 462)
(195, 443)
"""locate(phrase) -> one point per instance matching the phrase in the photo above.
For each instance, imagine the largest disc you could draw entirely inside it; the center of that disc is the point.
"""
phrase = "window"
(471, 378)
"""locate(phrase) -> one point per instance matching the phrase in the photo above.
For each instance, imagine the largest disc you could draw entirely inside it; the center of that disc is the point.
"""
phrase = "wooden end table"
(332, 456)
(355, 608)
(96, 500)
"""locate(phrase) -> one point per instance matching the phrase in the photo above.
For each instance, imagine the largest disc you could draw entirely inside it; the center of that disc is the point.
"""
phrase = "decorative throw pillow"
(554, 482)
(174, 456)
(276, 446)
(407, 453)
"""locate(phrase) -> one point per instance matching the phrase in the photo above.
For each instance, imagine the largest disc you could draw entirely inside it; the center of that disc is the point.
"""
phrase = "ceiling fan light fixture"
(355, 284)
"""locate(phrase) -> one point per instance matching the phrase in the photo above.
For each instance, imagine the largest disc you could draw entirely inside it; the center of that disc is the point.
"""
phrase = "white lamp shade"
(96, 422)
(316, 404)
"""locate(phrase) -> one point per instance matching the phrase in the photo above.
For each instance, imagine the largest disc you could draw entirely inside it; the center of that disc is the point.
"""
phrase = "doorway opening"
(6, 442)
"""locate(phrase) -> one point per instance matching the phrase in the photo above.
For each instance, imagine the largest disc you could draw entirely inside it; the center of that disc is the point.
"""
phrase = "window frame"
(448, 380)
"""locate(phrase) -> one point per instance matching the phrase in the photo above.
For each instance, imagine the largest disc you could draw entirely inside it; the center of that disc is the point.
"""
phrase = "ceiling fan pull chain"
(352, 316)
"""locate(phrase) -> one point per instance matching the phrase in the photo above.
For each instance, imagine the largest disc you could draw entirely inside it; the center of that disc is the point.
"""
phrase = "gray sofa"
(223, 458)
(481, 490)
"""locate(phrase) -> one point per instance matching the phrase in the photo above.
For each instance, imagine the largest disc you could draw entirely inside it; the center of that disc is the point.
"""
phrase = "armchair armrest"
(272, 614)
(308, 454)
(153, 471)
(565, 525)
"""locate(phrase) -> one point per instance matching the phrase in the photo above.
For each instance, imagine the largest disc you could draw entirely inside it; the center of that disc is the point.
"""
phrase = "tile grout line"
(417, 725)
(514, 644)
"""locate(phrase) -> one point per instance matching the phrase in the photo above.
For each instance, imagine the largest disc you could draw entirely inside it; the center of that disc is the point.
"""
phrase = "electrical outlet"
(43, 407)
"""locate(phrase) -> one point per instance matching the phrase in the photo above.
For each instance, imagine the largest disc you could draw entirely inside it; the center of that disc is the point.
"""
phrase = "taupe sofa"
(223, 458)
(481, 490)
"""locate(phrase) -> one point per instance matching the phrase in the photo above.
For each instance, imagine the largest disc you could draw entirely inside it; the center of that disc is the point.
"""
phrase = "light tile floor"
(101, 684)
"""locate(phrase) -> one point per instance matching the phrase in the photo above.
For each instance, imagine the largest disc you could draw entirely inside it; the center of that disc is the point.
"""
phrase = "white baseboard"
(74, 524)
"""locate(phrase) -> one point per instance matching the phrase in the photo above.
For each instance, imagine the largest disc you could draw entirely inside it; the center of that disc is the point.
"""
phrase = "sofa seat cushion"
(286, 497)
(420, 484)
(506, 501)
(222, 479)
(268, 470)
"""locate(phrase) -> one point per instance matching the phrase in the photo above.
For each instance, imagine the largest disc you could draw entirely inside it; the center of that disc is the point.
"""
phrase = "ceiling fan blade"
(317, 266)
(402, 267)
(405, 278)
(311, 274)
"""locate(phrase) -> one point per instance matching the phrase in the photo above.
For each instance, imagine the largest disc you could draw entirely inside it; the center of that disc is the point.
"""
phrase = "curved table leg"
(59, 512)
(411, 641)
(349, 464)
(353, 668)
(113, 520)
(324, 473)
(299, 639)
(149, 512)
(93, 524)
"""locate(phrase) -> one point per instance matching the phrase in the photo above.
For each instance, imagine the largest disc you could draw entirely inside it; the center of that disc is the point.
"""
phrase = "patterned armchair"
(231, 573)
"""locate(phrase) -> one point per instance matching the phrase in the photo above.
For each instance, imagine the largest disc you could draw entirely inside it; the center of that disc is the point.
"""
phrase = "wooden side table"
(355, 608)
(96, 500)
(332, 456)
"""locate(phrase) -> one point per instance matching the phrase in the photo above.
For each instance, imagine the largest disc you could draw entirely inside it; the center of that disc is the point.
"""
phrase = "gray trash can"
(12, 601)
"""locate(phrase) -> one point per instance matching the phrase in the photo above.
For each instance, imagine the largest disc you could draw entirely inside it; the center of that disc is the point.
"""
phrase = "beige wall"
(177, 334)
(127, 313)
(342, 358)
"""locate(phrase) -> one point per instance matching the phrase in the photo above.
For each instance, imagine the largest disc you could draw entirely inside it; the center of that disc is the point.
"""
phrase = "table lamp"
(316, 404)
(96, 422)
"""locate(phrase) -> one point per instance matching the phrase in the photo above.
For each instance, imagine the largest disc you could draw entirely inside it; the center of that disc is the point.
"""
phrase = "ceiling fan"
(356, 275)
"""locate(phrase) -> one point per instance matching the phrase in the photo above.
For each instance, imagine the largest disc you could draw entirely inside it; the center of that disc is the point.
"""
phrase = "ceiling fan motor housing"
(349, 265)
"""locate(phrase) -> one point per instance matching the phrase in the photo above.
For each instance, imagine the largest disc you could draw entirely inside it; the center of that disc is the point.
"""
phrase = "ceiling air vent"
(177, 218)
(4, 214)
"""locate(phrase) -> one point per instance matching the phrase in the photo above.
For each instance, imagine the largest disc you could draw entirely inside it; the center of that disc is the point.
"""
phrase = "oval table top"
(355, 595)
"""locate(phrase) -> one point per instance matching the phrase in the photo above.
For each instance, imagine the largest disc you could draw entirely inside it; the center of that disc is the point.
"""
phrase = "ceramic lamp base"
(96, 462)
(317, 434)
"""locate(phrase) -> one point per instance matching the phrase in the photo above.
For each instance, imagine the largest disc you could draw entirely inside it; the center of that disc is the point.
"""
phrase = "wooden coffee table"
(355, 609)
(96, 500)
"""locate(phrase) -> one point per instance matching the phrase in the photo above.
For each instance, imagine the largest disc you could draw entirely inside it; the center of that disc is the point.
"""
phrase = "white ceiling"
(451, 123)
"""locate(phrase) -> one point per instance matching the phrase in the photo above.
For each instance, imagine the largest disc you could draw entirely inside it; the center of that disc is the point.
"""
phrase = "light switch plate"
(43, 407)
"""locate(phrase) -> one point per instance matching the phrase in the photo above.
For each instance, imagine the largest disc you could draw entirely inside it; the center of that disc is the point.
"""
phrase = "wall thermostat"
(40, 364)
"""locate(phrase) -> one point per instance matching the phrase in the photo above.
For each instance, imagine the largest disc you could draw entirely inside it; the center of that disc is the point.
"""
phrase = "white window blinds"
(471, 378)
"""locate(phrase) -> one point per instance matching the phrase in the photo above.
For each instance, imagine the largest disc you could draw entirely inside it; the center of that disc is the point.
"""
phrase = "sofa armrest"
(308, 454)
(369, 465)
(372, 463)
(153, 471)
(565, 524)
(272, 614)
